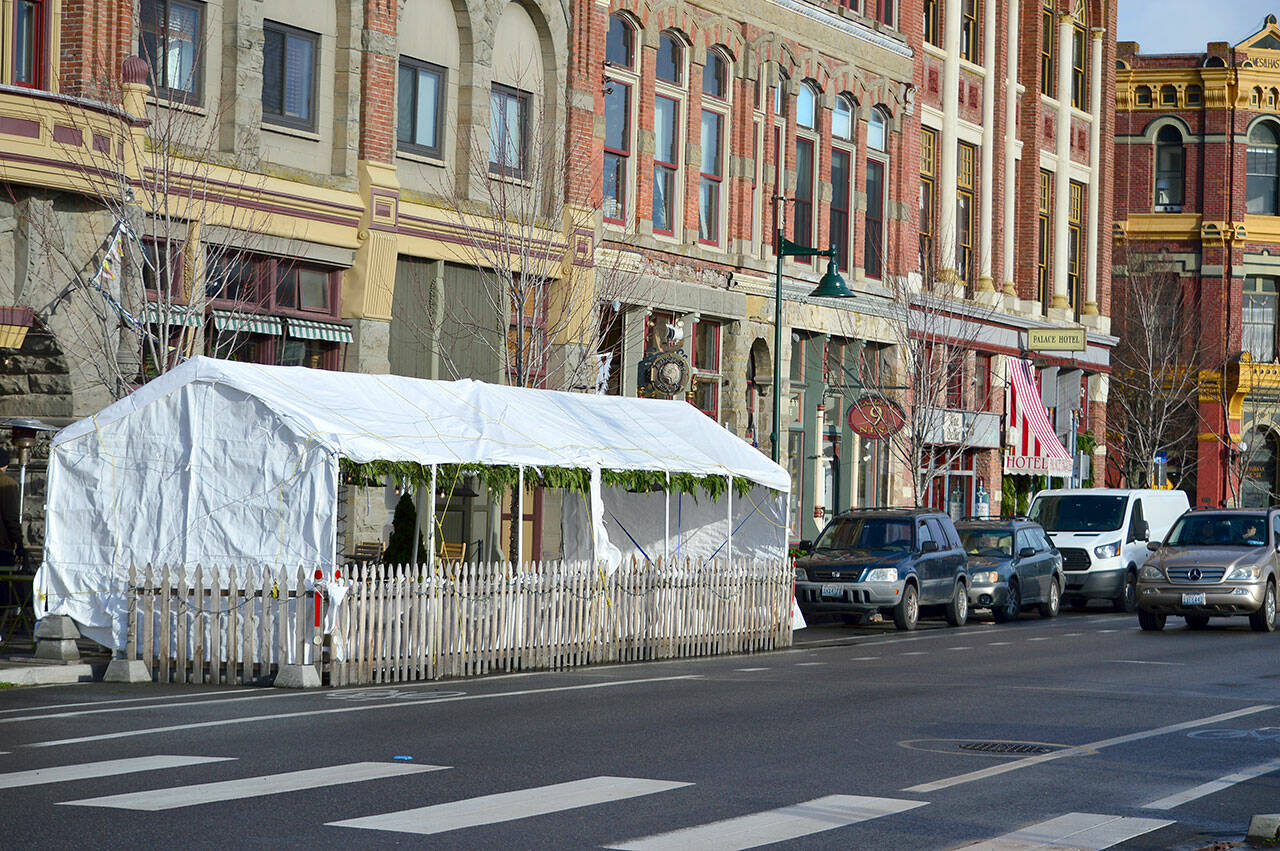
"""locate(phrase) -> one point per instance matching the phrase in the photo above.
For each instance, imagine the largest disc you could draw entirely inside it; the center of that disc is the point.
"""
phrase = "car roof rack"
(993, 517)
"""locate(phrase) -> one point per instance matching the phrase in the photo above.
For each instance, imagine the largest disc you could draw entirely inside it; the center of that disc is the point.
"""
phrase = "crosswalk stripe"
(509, 806)
(779, 825)
(1077, 831)
(252, 787)
(106, 768)
(1214, 786)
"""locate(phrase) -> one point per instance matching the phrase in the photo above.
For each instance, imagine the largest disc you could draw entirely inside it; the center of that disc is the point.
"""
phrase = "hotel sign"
(1056, 339)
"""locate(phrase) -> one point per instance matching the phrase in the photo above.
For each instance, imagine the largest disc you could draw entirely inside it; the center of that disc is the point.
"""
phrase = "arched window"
(806, 106)
(619, 47)
(670, 59)
(1142, 96)
(715, 134)
(1261, 170)
(1194, 95)
(842, 119)
(877, 193)
(1169, 170)
(715, 76)
(1168, 96)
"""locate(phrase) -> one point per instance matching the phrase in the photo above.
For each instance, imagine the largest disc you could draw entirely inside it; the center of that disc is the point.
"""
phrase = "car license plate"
(834, 591)
(1193, 599)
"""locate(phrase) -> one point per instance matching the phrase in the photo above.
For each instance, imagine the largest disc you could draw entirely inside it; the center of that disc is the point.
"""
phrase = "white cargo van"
(1102, 534)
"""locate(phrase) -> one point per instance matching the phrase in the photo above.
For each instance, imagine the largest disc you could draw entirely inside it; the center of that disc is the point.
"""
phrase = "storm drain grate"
(1005, 747)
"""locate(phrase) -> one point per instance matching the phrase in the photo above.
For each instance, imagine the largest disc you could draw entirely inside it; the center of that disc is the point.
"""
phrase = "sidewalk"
(19, 666)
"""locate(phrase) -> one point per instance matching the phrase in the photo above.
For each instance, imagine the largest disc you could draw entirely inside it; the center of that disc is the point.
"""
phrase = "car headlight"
(1150, 571)
(801, 576)
(1110, 550)
(881, 574)
(986, 577)
(1246, 573)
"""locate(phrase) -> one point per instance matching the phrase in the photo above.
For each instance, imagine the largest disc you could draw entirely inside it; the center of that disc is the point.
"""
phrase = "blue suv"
(891, 561)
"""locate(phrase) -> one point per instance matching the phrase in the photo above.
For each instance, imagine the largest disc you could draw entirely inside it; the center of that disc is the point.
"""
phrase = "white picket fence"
(381, 624)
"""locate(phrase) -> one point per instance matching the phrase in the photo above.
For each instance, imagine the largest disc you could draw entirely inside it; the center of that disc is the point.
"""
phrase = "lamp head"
(831, 284)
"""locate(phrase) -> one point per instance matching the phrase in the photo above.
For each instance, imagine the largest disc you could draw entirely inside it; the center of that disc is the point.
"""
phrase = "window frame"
(711, 181)
(1079, 66)
(885, 12)
(841, 215)
(39, 45)
(932, 30)
(418, 66)
(630, 44)
(928, 196)
(805, 196)
(1044, 284)
(708, 376)
(1254, 152)
(623, 157)
(670, 168)
(1076, 194)
(877, 159)
(161, 88)
(1048, 79)
(281, 119)
(1169, 177)
(504, 93)
(1255, 290)
(970, 31)
(966, 211)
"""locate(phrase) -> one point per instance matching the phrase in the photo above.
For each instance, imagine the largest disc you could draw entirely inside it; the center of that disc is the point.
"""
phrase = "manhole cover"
(1005, 747)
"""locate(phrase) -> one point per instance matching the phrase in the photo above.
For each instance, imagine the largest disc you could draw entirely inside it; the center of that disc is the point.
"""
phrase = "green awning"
(246, 323)
(309, 329)
(170, 314)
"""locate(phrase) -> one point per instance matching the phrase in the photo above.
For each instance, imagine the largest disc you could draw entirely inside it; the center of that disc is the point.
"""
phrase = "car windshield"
(1218, 530)
(1079, 512)
(871, 533)
(987, 542)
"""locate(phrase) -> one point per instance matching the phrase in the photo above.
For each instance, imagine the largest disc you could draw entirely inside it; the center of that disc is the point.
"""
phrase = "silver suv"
(1213, 563)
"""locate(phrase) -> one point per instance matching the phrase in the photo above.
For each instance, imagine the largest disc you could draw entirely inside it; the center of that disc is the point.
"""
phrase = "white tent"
(224, 463)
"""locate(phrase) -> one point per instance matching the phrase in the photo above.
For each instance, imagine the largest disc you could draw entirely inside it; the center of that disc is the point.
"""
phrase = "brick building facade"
(885, 126)
(1196, 143)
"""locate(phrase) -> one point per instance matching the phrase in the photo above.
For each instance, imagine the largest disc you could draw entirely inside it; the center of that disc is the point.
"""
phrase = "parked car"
(1214, 563)
(1102, 534)
(1012, 565)
(891, 561)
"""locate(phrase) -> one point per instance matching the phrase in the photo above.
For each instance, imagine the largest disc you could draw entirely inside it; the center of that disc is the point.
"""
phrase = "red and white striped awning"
(1032, 448)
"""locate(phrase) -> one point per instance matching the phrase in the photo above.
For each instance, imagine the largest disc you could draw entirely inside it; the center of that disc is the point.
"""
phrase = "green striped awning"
(170, 314)
(246, 323)
(309, 329)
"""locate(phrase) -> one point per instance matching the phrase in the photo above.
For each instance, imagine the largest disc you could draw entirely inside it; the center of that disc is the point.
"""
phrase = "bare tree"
(163, 229)
(930, 374)
(1156, 365)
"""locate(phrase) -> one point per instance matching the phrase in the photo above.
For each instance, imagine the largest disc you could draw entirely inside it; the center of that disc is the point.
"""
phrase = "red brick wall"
(97, 35)
(378, 85)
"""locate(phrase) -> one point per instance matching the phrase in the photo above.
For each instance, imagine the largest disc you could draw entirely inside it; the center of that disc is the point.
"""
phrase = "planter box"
(14, 323)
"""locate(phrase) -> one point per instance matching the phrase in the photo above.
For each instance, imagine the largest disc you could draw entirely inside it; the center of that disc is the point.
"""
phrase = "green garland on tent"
(501, 478)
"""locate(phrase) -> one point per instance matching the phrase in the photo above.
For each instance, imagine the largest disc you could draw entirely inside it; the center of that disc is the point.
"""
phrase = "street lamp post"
(831, 285)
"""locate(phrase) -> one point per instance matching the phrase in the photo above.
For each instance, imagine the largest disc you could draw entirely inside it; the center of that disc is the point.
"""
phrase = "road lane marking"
(1076, 831)
(509, 806)
(366, 707)
(749, 670)
(1041, 638)
(959, 648)
(997, 643)
(1071, 634)
(110, 710)
(917, 653)
(125, 700)
(808, 664)
(154, 800)
(106, 768)
(1079, 750)
(1142, 662)
(864, 658)
(1210, 788)
(780, 825)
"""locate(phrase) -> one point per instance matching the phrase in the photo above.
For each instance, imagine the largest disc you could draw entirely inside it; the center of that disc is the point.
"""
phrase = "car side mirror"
(805, 546)
(929, 547)
(1141, 531)
(1026, 552)
(1153, 545)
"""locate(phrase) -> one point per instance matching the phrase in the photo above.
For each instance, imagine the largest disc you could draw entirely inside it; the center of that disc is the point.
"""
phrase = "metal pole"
(776, 434)
(666, 525)
(431, 525)
(519, 518)
(729, 495)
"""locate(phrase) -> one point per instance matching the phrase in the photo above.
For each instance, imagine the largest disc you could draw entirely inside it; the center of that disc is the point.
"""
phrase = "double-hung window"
(29, 40)
(289, 57)
(970, 34)
(1075, 243)
(1169, 170)
(877, 168)
(965, 185)
(928, 192)
(1259, 318)
(841, 178)
(715, 94)
(706, 367)
(619, 87)
(420, 96)
(171, 40)
(666, 131)
(508, 131)
(1045, 263)
(806, 165)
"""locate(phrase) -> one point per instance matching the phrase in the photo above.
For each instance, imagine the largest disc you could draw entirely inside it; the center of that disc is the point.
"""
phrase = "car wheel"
(1127, 600)
(1196, 621)
(907, 612)
(1049, 608)
(1012, 606)
(958, 606)
(1150, 620)
(1264, 620)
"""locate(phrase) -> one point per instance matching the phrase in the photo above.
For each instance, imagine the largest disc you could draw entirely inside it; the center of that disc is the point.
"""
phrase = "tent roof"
(394, 418)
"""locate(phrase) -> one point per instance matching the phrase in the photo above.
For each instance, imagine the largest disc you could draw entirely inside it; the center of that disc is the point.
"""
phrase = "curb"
(1264, 826)
(39, 675)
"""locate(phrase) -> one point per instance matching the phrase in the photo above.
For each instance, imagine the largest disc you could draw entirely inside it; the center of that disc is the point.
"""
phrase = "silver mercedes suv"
(1213, 563)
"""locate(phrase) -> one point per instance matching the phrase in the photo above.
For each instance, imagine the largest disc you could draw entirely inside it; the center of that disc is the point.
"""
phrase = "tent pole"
(729, 494)
(417, 520)
(518, 517)
(666, 525)
(431, 526)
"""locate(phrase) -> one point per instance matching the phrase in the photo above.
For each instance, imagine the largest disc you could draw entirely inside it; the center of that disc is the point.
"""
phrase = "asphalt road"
(1081, 731)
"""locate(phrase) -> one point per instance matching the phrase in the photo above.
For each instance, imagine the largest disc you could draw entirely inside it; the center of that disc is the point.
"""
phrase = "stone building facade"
(1196, 142)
